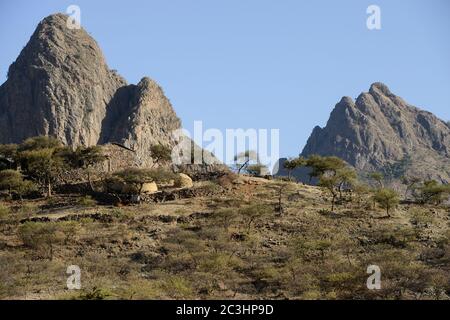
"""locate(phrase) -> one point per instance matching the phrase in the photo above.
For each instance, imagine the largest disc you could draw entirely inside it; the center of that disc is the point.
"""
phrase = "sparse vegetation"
(432, 192)
(235, 237)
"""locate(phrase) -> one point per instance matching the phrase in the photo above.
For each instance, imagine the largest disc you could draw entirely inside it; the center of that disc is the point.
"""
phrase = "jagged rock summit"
(60, 85)
(381, 132)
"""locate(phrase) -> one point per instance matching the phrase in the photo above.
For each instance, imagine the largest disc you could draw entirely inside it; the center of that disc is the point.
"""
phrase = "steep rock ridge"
(380, 131)
(59, 85)
(140, 116)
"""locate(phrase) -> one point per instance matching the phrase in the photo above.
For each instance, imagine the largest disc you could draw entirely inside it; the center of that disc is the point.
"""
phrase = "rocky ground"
(233, 243)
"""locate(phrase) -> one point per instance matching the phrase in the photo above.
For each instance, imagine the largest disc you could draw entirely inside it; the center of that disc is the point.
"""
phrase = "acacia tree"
(8, 156)
(135, 178)
(39, 142)
(330, 183)
(282, 188)
(292, 164)
(86, 158)
(43, 166)
(320, 165)
(160, 154)
(334, 175)
(9, 179)
(346, 177)
(13, 181)
(42, 159)
(387, 199)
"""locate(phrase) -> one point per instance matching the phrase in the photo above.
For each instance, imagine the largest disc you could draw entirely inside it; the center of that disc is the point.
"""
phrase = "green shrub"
(177, 287)
(27, 209)
(86, 201)
(95, 294)
(69, 229)
(420, 218)
(4, 211)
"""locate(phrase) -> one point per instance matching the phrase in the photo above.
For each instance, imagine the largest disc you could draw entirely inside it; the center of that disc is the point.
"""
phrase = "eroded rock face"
(138, 117)
(381, 132)
(59, 85)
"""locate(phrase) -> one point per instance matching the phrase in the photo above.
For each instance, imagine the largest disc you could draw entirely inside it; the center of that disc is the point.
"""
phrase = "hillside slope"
(229, 243)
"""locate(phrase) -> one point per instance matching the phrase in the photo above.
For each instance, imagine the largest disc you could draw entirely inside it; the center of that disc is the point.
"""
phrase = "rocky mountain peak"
(379, 88)
(60, 85)
(346, 101)
(381, 132)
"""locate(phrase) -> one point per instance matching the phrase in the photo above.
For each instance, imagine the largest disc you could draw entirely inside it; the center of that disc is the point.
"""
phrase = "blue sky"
(260, 64)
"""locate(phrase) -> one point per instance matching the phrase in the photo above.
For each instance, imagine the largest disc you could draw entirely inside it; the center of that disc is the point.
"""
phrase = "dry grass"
(206, 248)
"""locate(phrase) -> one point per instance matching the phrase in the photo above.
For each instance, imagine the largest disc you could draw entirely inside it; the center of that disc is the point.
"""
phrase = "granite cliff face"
(60, 85)
(381, 132)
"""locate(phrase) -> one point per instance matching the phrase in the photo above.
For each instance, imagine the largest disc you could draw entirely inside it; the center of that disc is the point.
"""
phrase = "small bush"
(95, 294)
(41, 237)
(27, 209)
(4, 211)
(69, 229)
(86, 201)
(420, 218)
(177, 287)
